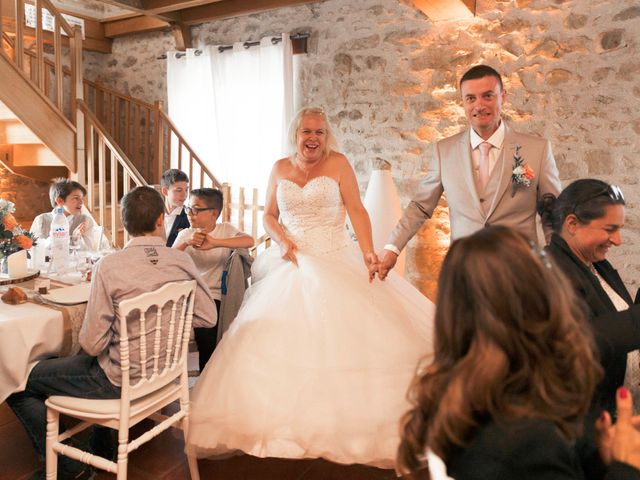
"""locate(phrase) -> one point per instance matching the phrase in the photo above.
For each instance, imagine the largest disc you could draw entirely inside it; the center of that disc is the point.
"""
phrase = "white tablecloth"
(31, 332)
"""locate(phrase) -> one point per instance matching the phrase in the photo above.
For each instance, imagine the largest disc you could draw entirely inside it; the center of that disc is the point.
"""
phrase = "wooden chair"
(163, 379)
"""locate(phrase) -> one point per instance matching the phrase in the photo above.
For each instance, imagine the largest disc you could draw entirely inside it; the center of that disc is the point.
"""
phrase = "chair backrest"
(155, 328)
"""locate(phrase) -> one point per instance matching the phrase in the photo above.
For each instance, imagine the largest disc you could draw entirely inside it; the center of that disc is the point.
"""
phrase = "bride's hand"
(371, 262)
(288, 250)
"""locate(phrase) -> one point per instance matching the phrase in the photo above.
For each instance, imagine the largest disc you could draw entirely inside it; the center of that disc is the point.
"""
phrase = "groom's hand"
(388, 260)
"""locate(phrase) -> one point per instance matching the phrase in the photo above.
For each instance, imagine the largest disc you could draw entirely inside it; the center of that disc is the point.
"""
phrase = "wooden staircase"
(55, 123)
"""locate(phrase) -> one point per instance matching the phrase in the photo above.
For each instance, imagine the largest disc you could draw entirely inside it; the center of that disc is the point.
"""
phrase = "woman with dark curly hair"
(513, 373)
(587, 219)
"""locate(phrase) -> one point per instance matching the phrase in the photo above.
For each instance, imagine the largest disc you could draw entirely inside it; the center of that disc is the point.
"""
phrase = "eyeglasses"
(615, 193)
(195, 210)
(611, 191)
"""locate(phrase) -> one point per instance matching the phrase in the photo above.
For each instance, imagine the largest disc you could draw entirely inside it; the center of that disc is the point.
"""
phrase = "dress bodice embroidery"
(313, 216)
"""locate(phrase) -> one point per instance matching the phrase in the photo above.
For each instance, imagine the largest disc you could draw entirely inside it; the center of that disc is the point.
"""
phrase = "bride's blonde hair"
(331, 144)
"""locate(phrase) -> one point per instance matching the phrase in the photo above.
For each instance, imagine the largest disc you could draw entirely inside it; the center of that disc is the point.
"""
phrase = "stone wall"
(388, 75)
(31, 197)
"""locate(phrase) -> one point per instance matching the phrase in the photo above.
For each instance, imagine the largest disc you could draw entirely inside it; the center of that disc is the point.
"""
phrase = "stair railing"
(102, 152)
(25, 46)
(135, 138)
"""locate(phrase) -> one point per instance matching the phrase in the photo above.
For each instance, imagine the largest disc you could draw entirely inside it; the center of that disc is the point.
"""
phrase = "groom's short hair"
(481, 71)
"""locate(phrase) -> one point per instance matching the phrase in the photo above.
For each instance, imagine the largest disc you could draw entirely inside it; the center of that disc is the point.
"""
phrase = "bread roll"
(14, 296)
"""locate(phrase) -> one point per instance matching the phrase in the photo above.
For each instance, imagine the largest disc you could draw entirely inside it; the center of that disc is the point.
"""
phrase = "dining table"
(44, 326)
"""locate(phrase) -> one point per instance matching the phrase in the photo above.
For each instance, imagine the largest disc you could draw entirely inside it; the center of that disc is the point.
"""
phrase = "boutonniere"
(522, 173)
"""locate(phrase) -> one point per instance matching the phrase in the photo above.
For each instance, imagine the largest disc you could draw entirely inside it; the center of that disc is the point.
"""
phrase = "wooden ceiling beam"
(182, 35)
(155, 7)
(440, 10)
(234, 8)
(128, 26)
(94, 41)
(138, 7)
(126, 4)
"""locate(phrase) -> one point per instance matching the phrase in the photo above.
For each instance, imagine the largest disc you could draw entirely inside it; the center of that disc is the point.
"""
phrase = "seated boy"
(145, 264)
(69, 195)
(209, 244)
(175, 187)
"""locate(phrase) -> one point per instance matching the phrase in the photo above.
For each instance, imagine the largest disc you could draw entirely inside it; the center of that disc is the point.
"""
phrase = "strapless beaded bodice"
(313, 215)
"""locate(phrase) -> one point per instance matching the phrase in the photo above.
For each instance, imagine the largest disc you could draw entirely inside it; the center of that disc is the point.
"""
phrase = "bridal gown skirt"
(317, 364)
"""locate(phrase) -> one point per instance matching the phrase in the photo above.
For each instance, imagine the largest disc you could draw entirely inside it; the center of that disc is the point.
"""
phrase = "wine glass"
(84, 266)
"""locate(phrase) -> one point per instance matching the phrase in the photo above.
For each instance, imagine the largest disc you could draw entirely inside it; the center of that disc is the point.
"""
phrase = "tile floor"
(163, 459)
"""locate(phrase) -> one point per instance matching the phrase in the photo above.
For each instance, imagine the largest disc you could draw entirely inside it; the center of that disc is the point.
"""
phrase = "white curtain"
(234, 107)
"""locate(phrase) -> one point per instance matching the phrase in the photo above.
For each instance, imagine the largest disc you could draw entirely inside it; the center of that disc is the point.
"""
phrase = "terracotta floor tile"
(17, 457)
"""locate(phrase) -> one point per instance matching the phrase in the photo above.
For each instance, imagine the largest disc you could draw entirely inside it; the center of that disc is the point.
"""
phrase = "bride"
(319, 359)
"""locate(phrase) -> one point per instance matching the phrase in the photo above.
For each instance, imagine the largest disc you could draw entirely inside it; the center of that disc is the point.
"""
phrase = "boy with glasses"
(209, 244)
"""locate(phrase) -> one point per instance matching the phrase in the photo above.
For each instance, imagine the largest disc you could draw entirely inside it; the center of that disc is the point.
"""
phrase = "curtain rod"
(222, 48)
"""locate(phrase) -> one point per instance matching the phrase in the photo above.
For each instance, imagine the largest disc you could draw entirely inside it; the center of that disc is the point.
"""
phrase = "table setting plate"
(5, 279)
(72, 295)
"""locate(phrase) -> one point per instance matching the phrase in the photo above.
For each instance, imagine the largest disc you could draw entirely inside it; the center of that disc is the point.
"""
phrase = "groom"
(491, 174)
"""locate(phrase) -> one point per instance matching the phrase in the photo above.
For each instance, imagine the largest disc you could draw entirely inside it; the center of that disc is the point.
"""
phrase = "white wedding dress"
(318, 361)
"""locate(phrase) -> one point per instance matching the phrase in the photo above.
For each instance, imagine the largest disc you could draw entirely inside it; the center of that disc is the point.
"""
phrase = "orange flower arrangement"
(9, 222)
(13, 237)
(24, 242)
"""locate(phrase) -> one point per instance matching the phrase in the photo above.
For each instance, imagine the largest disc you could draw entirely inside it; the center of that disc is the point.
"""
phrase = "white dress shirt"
(496, 140)
(169, 219)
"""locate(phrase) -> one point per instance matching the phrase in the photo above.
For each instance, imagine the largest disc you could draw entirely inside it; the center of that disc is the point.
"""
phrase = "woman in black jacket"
(587, 218)
(513, 373)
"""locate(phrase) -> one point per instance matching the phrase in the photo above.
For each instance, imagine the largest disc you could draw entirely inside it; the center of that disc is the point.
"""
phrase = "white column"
(383, 204)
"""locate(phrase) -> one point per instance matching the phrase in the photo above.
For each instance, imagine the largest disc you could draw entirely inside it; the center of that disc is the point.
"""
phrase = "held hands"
(620, 442)
(371, 262)
(387, 262)
(288, 250)
(201, 241)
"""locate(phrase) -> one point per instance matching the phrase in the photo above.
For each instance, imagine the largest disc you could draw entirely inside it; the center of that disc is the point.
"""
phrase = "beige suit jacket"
(451, 172)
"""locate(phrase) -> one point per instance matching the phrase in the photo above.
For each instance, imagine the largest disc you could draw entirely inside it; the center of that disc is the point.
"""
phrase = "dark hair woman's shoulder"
(523, 449)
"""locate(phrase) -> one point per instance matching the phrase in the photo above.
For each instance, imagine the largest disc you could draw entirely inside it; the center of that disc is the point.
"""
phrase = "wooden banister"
(47, 75)
(104, 155)
(193, 157)
(119, 139)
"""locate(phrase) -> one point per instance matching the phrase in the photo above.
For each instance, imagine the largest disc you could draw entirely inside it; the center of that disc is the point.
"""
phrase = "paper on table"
(69, 295)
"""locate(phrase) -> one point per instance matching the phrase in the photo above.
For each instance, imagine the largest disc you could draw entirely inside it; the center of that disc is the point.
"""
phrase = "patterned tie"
(483, 170)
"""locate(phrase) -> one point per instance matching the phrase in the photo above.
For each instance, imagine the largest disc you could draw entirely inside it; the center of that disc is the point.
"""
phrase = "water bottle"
(59, 237)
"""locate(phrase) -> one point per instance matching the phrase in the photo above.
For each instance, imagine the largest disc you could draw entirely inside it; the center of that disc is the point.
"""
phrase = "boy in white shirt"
(69, 195)
(209, 244)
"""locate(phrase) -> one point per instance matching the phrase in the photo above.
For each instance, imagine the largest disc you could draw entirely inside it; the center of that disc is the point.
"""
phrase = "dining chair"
(164, 317)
